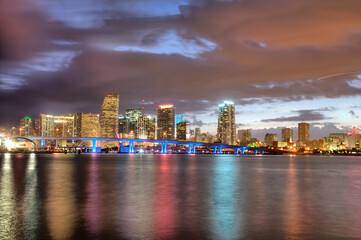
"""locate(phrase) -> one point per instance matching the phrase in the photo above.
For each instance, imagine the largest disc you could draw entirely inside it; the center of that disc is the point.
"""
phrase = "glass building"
(109, 118)
(166, 122)
(226, 131)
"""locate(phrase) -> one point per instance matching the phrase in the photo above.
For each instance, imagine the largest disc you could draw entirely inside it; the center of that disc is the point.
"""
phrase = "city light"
(9, 144)
(166, 106)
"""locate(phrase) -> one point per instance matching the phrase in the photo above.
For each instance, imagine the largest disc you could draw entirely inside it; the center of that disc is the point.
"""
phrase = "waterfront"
(113, 196)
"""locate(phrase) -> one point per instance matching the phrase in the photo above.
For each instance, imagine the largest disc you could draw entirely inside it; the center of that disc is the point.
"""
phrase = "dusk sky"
(281, 62)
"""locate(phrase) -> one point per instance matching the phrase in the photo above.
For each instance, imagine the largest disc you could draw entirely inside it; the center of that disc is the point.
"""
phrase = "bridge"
(217, 147)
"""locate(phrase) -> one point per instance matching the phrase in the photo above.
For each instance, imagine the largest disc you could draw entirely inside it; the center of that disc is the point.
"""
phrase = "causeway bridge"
(162, 144)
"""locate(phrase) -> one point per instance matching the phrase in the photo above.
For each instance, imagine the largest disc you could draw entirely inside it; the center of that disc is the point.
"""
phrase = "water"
(110, 196)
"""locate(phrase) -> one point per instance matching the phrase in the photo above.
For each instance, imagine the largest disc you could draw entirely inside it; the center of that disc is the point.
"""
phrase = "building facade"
(145, 127)
(244, 136)
(183, 131)
(303, 134)
(26, 127)
(77, 124)
(287, 135)
(133, 115)
(226, 131)
(90, 127)
(109, 119)
(270, 138)
(166, 122)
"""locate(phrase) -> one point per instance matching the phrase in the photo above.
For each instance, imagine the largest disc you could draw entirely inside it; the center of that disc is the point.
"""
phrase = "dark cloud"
(303, 115)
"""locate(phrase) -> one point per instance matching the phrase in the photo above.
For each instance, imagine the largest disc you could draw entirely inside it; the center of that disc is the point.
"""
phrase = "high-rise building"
(287, 135)
(133, 115)
(183, 131)
(14, 132)
(37, 128)
(303, 134)
(124, 127)
(165, 122)
(26, 127)
(244, 136)
(109, 119)
(179, 118)
(226, 131)
(269, 138)
(90, 127)
(145, 127)
(57, 126)
(77, 124)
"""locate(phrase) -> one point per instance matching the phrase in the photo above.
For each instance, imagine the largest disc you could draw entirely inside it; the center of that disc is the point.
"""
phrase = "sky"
(281, 62)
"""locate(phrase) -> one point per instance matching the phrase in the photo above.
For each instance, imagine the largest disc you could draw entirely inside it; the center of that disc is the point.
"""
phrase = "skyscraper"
(90, 126)
(287, 135)
(166, 122)
(124, 127)
(26, 127)
(57, 126)
(226, 131)
(244, 136)
(183, 131)
(145, 127)
(77, 124)
(197, 131)
(303, 133)
(133, 115)
(109, 118)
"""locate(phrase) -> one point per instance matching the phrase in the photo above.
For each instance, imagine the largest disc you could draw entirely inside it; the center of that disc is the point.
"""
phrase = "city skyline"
(190, 54)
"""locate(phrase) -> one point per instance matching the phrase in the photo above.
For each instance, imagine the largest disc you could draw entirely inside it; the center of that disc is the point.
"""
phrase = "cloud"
(303, 115)
(352, 113)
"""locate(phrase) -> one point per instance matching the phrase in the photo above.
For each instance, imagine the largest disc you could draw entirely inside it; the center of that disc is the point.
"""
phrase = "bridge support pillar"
(164, 148)
(131, 147)
(194, 149)
(262, 152)
(94, 147)
(189, 149)
(56, 144)
(255, 152)
(242, 151)
(214, 150)
(220, 150)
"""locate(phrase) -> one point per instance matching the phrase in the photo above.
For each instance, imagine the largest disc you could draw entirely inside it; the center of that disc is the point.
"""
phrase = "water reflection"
(226, 215)
(31, 200)
(60, 206)
(7, 204)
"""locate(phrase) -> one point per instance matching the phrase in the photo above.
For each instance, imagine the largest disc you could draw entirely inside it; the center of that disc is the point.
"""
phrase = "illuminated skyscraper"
(90, 126)
(226, 131)
(183, 131)
(145, 127)
(287, 135)
(77, 124)
(244, 136)
(303, 133)
(109, 118)
(124, 127)
(165, 122)
(133, 115)
(57, 126)
(26, 127)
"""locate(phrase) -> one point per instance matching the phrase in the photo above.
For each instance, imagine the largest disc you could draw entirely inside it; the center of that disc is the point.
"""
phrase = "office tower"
(165, 122)
(90, 127)
(303, 133)
(226, 131)
(197, 131)
(244, 136)
(133, 115)
(179, 118)
(109, 117)
(269, 138)
(124, 127)
(36, 128)
(183, 131)
(26, 127)
(56, 126)
(77, 124)
(287, 135)
(145, 127)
